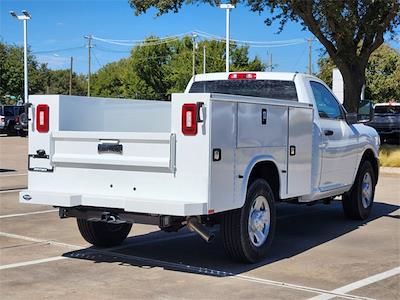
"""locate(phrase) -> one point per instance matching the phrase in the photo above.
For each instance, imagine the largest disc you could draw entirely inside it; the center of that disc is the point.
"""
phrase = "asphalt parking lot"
(317, 253)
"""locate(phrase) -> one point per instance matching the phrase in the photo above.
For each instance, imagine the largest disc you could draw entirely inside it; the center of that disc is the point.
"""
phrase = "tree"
(12, 70)
(57, 82)
(42, 80)
(350, 30)
(382, 74)
(157, 68)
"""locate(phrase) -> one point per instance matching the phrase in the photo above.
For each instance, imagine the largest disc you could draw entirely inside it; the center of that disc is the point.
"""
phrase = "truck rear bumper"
(149, 206)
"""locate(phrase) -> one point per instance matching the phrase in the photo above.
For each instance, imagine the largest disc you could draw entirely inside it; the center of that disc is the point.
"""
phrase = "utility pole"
(309, 55)
(194, 54)
(89, 38)
(70, 76)
(270, 66)
(228, 8)
(24, 17)
(204, 59)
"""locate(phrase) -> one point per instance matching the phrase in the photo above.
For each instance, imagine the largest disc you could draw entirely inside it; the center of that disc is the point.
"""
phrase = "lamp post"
(24, 17)
(228, 8)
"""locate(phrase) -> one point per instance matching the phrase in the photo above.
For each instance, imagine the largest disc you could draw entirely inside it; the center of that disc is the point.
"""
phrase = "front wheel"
(103, 234)
(247, 233)
(357, 203)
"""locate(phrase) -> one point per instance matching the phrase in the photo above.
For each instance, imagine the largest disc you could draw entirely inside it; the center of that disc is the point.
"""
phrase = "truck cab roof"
(274, 85)
(257, 75)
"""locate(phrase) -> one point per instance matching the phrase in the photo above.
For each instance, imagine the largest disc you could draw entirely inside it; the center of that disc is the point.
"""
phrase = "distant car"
(21, 124)
(2, 121)
(9, 114)
(386, 121)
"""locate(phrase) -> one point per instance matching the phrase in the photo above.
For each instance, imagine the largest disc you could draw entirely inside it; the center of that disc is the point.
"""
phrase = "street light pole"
(228, 8)
(194, 36)
(24, 17)
(70, 76)
(89, 38)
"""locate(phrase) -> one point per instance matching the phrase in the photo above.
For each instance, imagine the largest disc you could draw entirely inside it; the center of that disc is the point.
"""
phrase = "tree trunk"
(354, 79)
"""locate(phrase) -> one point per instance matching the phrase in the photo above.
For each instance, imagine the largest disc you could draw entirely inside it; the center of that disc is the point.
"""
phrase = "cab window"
(327, 105)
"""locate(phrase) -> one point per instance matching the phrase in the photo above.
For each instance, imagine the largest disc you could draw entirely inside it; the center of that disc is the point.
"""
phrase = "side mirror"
(365, 113)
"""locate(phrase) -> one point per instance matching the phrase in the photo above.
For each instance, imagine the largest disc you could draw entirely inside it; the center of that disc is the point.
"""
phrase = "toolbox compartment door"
(299, 151)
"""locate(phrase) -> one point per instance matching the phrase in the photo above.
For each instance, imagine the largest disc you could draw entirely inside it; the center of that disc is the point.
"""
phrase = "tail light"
(42, 118)
(17, 119)
(189, 119)
(234, 76)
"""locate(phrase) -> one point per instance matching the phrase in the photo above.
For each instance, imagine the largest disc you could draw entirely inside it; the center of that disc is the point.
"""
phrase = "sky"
(57, 29)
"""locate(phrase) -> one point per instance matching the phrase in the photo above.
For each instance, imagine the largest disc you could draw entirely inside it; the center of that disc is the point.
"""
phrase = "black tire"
(353, 205)
(10, 129)
(235, 224)
(103, 234)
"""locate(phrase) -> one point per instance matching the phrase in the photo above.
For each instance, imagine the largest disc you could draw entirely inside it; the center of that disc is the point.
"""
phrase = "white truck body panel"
(159, 170)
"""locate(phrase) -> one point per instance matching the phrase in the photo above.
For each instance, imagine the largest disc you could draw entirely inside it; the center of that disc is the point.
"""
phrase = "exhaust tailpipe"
(194, 225)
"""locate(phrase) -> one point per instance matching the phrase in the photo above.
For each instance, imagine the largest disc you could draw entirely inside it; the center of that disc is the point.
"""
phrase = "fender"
(362, 153)
(247, 172)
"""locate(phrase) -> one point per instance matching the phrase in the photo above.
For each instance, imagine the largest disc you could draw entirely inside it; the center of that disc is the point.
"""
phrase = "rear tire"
(357, 203)
(103, 234)
(247, 233)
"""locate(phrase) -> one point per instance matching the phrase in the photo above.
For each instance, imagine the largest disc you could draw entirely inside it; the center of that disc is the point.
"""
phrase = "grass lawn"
(389, 155)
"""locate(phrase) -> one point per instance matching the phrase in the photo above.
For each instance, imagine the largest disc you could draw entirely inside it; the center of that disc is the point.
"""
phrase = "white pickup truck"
(224, 152)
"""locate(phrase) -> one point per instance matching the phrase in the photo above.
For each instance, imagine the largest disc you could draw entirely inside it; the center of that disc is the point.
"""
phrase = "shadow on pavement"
(299, 228)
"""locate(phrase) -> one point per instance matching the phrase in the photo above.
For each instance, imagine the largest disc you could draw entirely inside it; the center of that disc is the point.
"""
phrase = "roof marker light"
(243, 76)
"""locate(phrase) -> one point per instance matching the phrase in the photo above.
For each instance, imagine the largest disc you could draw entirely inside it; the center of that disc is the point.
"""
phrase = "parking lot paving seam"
(360, 283)
(28, 214)
(166, 264)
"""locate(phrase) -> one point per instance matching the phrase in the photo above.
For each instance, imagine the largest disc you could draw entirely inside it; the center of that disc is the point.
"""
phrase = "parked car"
(2, 120)
(386, 121)
(224, 152)
(10, 113)
(21, 124)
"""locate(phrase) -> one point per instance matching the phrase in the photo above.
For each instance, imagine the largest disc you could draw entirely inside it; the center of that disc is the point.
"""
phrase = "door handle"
(328, 132)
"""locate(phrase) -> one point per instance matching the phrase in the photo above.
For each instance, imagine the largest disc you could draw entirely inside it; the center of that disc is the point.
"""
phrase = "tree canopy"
(154, 72)
(350, 30)
(382, 74)
(42, 80)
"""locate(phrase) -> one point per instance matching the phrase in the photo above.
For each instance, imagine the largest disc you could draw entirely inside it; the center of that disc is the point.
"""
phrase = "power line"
(260, 43)
(97, 60)
(159, 41)
(58, 50)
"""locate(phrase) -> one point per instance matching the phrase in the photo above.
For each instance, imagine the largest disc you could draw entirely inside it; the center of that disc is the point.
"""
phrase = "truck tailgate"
(145, 150)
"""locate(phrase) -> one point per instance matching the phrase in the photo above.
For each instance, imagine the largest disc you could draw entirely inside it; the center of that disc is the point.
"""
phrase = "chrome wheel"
(366, 190)
(259, 221)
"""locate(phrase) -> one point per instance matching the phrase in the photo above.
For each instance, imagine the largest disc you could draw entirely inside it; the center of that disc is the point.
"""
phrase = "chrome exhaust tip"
(194, 225)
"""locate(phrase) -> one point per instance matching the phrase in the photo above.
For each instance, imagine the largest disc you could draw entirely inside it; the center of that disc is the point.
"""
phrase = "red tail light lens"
(189, 119)
(234, 76)
(42, 118)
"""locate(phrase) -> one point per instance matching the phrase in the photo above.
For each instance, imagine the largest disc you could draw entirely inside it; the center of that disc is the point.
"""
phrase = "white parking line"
(172, 265)
(32, 262)
(361, 283)
(28, 214)
(11, 175)
(12, 190)
(35, 240)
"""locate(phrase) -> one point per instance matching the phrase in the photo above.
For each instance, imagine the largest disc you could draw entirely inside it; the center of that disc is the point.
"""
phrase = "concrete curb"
(389, 170)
